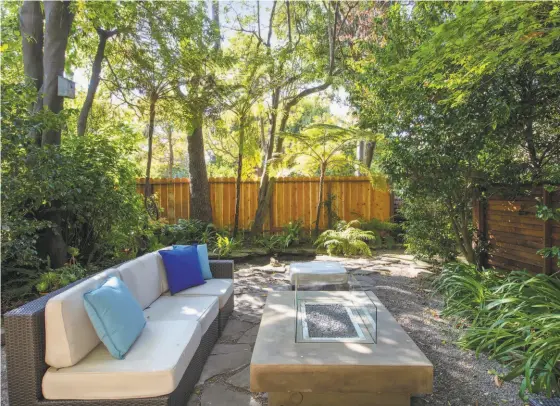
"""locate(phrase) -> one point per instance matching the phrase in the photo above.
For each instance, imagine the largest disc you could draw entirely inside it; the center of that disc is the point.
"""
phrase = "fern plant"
(347, 239)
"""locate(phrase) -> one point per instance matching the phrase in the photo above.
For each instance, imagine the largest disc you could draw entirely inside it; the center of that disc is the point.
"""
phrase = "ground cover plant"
(513, 317)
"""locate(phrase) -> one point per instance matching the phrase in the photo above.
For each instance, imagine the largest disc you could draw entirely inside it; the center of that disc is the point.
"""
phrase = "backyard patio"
(401, 283)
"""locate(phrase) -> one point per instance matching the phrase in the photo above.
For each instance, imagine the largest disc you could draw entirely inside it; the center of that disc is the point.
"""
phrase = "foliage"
(386, 232)
(292, 233)
(462, 116)
(188, 231)
(428, 232)
(347, 239)
(513, 317)
(58, 278)
(226, 245)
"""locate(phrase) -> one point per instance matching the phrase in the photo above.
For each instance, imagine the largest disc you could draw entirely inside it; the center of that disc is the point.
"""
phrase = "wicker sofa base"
(225, 312)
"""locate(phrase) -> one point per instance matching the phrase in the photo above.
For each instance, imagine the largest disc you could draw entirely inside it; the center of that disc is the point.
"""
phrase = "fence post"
(547, 233)
(481, 242)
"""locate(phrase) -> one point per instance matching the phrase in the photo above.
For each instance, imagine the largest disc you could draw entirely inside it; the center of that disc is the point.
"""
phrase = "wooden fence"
(292, 199)
(514, 233)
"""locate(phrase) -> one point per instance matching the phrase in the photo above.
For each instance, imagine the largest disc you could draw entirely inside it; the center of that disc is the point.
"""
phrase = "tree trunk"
(31, 28)
(368, 153)
(171, 158)
(320, 202)
(263, 204)
(147, 185)
(238, 180)
(94, 80)
(201, 208)
(216, 20)
(58, 20)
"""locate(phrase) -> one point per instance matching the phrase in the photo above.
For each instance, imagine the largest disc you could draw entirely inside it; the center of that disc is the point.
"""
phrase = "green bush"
(348, 239)
(58, 278)
(513, 317)
(188, 231)
(226, 245)
(428, 231)
(387, 234)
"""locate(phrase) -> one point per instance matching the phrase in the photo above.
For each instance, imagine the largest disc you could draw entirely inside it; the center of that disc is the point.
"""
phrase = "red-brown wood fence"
(514, 233)
(292, 199)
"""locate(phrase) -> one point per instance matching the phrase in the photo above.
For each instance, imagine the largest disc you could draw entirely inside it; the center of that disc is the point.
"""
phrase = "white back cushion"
(145, 277)
(70, 336)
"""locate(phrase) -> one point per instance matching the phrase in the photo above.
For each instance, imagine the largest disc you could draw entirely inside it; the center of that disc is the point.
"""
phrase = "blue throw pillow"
(202, 251)
(182, 268)
(116, 316)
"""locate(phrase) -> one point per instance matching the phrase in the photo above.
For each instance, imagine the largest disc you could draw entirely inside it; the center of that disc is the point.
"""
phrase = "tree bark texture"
(171, 157)
(94, 80)
(31, 28)
(216, 20)
(263, 204)
(151, 124)
(58, 20)
(320, 203)
(32, 38)
(201, 208)
(238, 179)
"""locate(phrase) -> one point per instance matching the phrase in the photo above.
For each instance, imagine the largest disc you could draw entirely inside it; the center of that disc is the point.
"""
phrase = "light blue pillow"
(202, 251)
(116, 316)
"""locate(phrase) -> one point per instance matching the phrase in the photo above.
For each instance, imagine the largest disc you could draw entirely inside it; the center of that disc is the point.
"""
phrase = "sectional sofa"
(54, 356)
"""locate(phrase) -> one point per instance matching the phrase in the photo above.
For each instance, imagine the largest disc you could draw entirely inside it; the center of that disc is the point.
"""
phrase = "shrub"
(428, 231)
(58, 278)
(513, 317)
(386, 233)
(347, 239)
(188, 231)
(226, 245)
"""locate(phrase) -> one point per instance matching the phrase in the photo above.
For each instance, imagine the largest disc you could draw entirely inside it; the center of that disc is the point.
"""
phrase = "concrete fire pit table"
(346, 373)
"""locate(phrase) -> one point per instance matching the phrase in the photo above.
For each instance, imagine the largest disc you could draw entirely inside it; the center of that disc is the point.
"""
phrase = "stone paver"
(235, 329)
(225, 362)
(241, 378)
(250, 336)
(218, 394)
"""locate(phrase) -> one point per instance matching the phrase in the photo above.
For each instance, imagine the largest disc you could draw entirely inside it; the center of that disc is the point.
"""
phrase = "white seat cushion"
(203, 309)
(145, 277)
(223, 288)
(153, 366)
(69, 334)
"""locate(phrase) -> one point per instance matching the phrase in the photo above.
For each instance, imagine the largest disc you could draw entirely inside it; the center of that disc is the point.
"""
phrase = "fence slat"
(292, 199)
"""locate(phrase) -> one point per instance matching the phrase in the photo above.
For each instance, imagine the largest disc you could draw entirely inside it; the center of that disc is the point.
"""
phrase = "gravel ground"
(460, 379)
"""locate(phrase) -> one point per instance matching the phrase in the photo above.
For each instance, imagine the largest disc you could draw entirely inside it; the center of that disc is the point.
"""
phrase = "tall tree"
(295, 73)
(193, 54)
(140, 79)
(58, 21)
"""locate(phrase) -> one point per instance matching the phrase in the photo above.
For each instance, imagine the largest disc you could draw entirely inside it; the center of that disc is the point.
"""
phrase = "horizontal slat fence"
(292, 199)
(515, 234)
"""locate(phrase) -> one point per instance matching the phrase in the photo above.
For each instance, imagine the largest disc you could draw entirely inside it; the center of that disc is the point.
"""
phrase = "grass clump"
(513, 317)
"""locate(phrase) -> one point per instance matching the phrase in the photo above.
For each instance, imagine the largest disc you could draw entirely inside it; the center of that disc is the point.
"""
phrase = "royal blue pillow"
(116, 315)
(182, 268)
(202, 251)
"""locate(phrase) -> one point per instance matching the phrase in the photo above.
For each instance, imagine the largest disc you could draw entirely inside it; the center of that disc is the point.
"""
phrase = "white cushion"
(69, 334)
(223, 288)
(145, 277)
(153, 366)
(203, 309)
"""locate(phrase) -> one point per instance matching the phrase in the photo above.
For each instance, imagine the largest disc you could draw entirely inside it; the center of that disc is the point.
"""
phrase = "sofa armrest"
(25, 349)
(221, 269)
